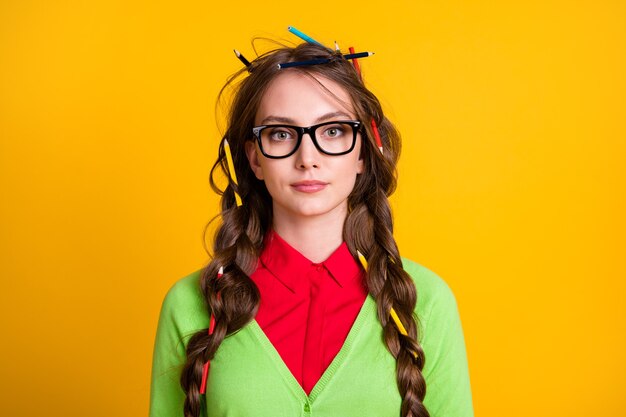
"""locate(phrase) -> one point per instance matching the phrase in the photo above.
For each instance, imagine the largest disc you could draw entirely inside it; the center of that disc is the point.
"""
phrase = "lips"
(309, 186)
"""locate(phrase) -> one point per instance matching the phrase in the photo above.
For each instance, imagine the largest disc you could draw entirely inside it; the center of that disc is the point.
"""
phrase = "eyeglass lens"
(333, 138)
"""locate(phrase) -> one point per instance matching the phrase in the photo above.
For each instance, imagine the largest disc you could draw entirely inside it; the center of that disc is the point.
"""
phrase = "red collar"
(288, 265)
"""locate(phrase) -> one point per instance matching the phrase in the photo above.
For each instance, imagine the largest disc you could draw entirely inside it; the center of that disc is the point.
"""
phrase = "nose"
(307, 155)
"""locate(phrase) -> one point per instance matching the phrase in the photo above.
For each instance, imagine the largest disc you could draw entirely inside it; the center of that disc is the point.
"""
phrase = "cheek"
(272, 175)
(354, 166)
(348, 171)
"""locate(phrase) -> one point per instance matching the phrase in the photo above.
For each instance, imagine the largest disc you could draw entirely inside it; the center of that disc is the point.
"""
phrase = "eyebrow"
(324, 117)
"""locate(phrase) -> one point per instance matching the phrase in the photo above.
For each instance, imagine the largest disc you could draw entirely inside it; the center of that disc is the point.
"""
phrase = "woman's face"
(307, 183)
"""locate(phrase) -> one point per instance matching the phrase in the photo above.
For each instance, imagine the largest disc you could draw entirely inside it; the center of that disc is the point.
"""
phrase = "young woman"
(300, 326)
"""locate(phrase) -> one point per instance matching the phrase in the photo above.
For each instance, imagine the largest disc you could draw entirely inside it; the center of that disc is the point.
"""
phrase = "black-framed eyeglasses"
(330, 138)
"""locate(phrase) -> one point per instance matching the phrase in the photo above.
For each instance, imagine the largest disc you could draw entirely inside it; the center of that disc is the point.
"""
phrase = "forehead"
(303, 98)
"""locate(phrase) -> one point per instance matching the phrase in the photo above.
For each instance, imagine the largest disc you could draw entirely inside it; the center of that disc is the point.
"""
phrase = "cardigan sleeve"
(182, 314)
(448, 392)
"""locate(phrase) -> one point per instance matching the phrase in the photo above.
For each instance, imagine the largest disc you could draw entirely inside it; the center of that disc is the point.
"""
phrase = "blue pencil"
(358, 55)
(322, 60)
(301, 35)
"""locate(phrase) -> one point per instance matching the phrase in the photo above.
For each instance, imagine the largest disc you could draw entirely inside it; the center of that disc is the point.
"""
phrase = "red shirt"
(307, 309)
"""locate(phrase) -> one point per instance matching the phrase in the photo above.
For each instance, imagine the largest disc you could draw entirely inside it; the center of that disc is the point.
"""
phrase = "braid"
(238, 242)
(392, 287)
(369, 228)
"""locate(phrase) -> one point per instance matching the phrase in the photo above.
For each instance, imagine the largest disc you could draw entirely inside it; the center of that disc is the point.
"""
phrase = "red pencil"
(355, 62)
(379, 142)
(205, 374)
(205, 368)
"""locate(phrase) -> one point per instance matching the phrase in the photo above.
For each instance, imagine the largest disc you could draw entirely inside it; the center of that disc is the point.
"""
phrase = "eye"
(280, 134)
(333, 131)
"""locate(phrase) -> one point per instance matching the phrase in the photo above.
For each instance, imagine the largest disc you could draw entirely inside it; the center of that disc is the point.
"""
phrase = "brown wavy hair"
(238, 241)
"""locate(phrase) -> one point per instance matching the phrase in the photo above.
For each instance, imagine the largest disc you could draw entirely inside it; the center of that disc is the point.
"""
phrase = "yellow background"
(512, 186)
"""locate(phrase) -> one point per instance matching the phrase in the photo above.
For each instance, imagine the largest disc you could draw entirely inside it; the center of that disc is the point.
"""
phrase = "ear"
(253, 159)
(360, 162)
(360, 166)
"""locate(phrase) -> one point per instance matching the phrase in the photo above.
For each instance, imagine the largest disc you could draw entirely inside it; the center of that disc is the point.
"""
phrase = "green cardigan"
(247, 377)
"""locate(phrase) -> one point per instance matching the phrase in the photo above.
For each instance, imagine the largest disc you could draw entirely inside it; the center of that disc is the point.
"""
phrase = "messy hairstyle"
(234, 299)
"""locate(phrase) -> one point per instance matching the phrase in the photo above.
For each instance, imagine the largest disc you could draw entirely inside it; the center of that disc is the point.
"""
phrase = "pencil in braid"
(237, 243)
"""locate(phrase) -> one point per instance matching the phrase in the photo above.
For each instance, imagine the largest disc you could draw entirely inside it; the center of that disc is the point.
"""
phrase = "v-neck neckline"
(291, 381)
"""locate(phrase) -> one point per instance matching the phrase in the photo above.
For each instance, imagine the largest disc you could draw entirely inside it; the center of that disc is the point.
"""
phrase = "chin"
(316, 210)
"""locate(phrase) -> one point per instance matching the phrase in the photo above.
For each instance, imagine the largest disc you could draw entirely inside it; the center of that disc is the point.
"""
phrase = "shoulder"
(432, 290)
(185, 291)
(441, 337)
(184, 305)
(183, 313)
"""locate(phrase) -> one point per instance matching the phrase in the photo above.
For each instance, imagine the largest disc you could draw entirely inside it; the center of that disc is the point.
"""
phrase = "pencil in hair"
(353, 55)
(302, 63)
(379, 142)
(231, 170)
(302, 36)
(243, 59)
(355, 62)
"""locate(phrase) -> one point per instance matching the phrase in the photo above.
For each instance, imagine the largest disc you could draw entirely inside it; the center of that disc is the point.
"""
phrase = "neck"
(316, 237)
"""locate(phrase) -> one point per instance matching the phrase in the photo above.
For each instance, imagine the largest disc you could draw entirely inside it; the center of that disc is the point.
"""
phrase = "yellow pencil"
(399, 324)
(362, 260)
(394, 315)
(231, 169)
